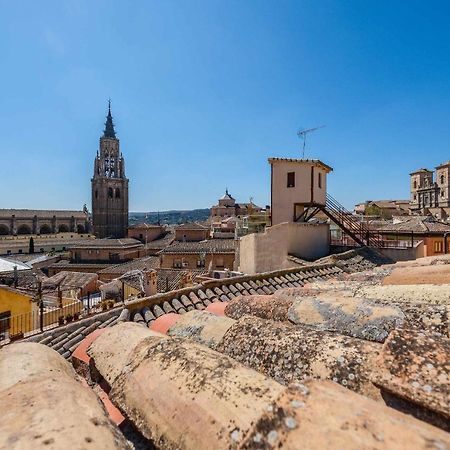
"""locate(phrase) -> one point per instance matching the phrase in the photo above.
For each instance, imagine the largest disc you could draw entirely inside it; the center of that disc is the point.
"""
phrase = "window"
(415, 196)
(320, 180)
(442, 194)
(110, 192)
(96, 194)
(415, 184)
(291, 179)
(4, 321)
(177, 263)
(117, 193)
(442, 179)
(438, 247)
(201, 263)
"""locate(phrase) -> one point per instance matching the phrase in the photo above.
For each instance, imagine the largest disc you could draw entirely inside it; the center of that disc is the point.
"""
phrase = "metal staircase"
(344, 219)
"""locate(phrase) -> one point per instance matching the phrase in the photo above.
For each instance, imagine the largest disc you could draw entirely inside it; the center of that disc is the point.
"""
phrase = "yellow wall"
(25, 312)
(14, 301)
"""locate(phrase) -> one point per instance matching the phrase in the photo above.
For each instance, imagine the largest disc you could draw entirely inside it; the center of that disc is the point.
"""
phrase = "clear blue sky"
(204, 91)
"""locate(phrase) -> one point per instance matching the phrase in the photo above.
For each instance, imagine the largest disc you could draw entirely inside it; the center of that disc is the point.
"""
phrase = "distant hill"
(169, 217)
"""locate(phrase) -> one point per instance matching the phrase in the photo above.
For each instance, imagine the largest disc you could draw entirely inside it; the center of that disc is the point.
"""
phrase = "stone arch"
(110, 193)
(45, 229)
(23, 229)
(4, 230)
(81, 229)
(63, 228)
(117, 193)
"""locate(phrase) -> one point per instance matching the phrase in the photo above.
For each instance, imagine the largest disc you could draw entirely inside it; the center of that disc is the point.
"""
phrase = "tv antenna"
(302, 135)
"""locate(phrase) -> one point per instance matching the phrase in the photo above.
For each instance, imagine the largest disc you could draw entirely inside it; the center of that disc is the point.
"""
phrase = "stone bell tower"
(109, 186)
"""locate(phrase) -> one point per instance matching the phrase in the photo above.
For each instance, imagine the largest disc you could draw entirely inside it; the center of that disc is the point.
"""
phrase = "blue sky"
(204, 91)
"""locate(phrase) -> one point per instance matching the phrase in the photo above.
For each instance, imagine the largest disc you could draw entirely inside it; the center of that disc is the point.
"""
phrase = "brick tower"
(109, 186)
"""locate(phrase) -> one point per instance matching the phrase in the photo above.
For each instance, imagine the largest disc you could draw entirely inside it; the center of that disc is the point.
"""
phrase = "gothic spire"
(109, 125)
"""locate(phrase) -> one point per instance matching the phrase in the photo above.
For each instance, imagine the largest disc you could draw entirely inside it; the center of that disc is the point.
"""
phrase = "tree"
(373, 210)
(31, 245)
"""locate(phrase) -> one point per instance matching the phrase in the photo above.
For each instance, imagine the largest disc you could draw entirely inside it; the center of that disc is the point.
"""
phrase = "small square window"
(291, 179)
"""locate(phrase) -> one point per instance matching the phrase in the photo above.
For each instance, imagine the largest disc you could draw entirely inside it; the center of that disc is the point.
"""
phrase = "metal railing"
(357, 230)
(44, 317)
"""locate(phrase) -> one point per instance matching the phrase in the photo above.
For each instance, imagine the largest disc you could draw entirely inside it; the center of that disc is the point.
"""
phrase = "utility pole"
(41, 306)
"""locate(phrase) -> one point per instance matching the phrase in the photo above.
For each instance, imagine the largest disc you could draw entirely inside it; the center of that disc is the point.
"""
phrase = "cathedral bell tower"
(109, 186)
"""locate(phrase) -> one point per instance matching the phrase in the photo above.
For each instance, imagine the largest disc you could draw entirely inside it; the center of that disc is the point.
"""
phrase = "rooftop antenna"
(302, 135)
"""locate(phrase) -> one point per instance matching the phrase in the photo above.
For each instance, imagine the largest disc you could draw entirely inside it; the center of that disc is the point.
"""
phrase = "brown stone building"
(434, 234)
(106, 251)
(210, 254)
(31, 221)
(146, 232)
(109, 187)
(191, 232)
(430, 193)
(227, 207)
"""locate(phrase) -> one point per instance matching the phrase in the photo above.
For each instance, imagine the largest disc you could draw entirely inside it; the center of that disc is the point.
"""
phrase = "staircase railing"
(358, 230)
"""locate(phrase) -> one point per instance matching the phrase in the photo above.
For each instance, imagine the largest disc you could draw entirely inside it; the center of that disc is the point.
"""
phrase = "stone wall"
(263, 252)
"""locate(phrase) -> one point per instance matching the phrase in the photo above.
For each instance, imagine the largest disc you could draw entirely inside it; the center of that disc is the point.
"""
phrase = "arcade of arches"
(24, 222)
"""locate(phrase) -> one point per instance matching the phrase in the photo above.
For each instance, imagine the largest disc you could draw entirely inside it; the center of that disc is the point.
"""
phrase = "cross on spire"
(109, 131)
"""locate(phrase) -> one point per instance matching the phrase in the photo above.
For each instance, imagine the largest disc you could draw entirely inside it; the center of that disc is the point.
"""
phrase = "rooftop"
(145, 263)
(284, 348)
(43, 213)
(70, 279)
(7, 265)
(207, 246)
(191, 226)
(315, 162)
(106, 243)
(418, 225)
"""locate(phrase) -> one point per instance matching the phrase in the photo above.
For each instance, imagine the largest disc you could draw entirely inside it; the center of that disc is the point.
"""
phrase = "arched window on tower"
(442, 179)
(96, 194)
(110, 192)
(117, 193)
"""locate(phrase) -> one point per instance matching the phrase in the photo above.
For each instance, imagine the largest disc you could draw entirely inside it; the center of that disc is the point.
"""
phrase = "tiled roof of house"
(170, 279)
(323, 356)
(206, 246)
(107, 243)
(416, 225)
(70, 279)
(191, 226)
(317, 162)
(145, 263)
(145, 226)
(201, 295)
(162, 242)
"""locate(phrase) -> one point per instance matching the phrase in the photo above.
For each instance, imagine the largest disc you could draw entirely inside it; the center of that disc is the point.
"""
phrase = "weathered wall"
(264, 252)
(145, 234)
(284, 197)
(215, 261)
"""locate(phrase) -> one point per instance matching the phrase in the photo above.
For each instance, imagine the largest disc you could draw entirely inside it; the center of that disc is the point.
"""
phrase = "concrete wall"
(404, 254)
(284, 198)
(268, 251)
